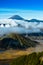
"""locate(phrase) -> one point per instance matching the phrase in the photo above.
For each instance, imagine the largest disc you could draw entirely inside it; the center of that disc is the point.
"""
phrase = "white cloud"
(26, 26)
(8, 22)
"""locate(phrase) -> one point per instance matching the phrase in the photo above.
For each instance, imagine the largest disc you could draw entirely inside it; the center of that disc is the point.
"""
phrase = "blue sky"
(26, 8)
(22, 4)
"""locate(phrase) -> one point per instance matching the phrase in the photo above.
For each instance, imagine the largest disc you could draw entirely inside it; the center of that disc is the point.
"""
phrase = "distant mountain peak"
(36, 20)
(17, 17)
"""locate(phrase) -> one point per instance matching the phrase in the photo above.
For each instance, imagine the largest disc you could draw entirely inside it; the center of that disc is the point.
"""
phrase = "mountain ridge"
(17, 17)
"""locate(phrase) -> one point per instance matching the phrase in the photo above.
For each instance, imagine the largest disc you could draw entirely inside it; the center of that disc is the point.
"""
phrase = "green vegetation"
(32, 59)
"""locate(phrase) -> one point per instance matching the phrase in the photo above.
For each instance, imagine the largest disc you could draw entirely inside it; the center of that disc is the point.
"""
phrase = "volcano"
(16, 41)
(17, 17)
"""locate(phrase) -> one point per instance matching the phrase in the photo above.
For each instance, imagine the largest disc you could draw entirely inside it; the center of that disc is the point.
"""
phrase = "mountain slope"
(32, 59)
(17, 17)
(16, 41)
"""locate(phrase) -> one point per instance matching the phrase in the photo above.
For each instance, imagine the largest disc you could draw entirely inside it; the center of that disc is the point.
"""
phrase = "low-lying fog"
(19, 30)
(19, 26)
